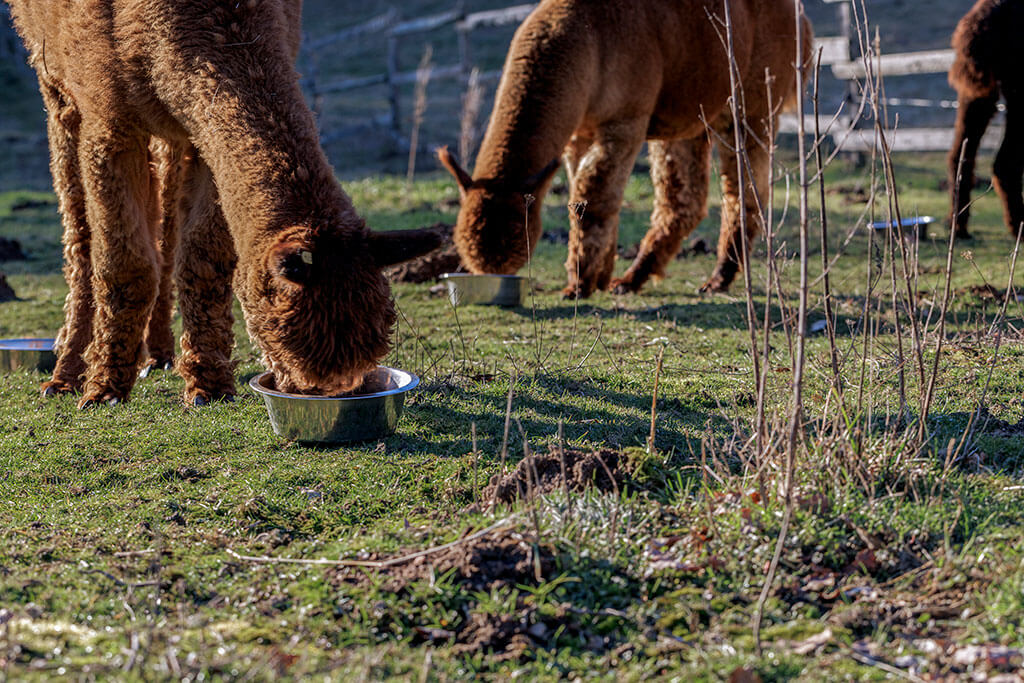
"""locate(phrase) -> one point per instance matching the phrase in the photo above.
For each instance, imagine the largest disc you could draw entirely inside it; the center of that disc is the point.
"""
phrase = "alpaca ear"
(464, 180)
(538, 179)
(395, 246)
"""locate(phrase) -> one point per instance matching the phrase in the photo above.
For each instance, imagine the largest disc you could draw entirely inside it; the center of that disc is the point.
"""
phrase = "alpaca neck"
(268, 166)
(239, 102)
(535, 114)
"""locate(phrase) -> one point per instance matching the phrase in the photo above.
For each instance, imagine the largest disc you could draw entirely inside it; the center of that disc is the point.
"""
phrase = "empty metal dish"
(486, 289)
(919, 222)
(371, 414)
(28, 354)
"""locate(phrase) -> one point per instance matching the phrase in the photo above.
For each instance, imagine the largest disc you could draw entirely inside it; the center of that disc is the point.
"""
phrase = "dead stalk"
(926, 401)
(508, 417)
(830, 316)
(423, 72)
(476, 462)
(378, 564)
(565, 478)
(796, 418)
(471, 103)
(654, 401)
(739, 145)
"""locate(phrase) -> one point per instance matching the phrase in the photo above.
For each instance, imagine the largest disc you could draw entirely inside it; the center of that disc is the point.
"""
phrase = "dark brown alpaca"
(989, 64)
(591, 81)
(213, 81)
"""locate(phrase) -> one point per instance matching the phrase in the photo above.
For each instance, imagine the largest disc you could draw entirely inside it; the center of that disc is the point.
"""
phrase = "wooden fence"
(837, 53)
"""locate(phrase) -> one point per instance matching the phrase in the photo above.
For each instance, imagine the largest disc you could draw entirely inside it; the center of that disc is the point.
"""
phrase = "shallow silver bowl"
(486, 289)
(338, 419)
(920, 223)
(29, 354)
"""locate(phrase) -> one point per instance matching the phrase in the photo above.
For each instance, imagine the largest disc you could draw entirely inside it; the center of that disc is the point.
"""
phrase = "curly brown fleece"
(988, 64)
(591, 81)
(214, 82)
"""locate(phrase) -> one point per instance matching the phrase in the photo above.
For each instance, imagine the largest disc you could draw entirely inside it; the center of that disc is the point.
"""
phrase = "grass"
(117, 524)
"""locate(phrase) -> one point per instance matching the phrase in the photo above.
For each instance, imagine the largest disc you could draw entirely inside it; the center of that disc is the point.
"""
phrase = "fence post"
(394, 94)
(462, 34)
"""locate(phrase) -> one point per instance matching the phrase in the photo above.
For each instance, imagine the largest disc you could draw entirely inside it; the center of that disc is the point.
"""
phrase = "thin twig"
(371, 564)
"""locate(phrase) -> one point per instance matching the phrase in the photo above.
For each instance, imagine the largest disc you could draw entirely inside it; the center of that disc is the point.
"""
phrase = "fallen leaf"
(806, 647)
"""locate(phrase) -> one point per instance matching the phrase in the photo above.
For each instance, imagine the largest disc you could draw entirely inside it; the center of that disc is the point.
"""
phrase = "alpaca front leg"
(680, 171)
(1008, 168)
(598, 184)
(168, 164)
(121, 206)
(973, 116)
(62, 128)
(206, 263)
(734, 212)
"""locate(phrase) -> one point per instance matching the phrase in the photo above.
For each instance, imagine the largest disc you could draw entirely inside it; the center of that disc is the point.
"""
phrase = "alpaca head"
(319, 307)
(498, 224)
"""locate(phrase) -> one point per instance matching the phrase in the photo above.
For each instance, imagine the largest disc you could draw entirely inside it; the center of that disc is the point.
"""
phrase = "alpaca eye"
(296, 266)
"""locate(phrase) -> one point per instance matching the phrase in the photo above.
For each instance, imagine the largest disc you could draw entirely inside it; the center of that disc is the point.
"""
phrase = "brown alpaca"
(988, 64)
(591, 81)
(256, 191)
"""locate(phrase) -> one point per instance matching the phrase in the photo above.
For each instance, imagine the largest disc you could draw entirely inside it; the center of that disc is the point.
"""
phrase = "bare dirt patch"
(427, 268)
(604, 470)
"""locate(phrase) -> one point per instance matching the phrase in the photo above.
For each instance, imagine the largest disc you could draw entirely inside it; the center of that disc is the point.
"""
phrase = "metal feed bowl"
(338, 419)
(27, 354)
(487, 290)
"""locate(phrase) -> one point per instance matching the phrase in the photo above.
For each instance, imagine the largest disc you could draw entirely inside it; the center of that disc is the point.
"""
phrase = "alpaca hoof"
(623, 286)
(55, 388)
(572, 292)
(716, 285)
(155, 364)
(93, 401)
(200, 400)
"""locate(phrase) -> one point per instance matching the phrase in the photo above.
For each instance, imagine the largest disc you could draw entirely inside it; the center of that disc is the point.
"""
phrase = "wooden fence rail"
(836, 53)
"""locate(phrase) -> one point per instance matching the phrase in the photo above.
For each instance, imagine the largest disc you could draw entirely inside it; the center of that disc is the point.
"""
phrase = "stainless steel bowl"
(338, 419)
(915, 226)
(29, 354)
(488, 290)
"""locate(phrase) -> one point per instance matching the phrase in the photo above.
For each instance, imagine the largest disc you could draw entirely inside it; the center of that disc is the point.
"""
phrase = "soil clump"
(604, 470)
(427, 268)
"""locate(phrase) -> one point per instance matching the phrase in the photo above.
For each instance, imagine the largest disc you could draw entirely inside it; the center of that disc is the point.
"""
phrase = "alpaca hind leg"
(1009, 166)
(598, 186)
(167, 163)
(680, 171)
(62, 127)
(973, 116)
(122, 207)
(205, 265)
(736, 212)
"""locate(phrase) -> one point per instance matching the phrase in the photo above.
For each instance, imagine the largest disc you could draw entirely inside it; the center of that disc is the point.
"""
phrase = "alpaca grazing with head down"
(206, 91)
(591, 81)
(988, 64)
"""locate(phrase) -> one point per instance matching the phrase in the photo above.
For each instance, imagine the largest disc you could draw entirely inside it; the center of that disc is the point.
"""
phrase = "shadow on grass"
(679, 424)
